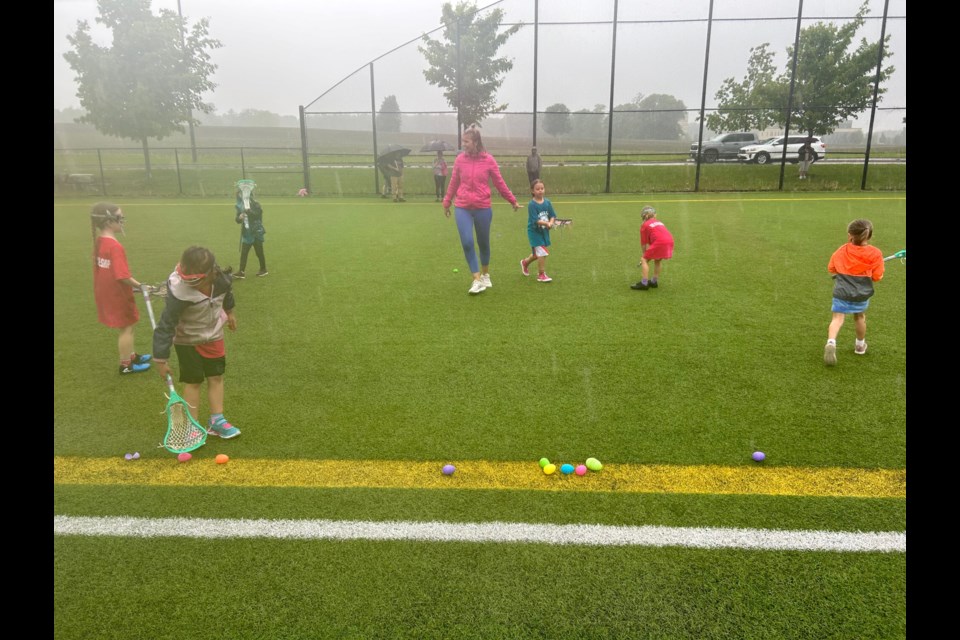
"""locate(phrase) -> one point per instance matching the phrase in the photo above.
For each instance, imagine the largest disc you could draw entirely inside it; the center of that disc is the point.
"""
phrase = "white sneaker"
(857, 349)
(485, 279)
(477, 287)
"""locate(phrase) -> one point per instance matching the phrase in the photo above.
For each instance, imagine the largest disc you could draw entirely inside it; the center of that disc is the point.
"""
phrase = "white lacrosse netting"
(246, 188)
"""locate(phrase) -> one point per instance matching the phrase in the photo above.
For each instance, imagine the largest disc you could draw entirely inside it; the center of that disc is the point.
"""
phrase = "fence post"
(373, 115)
(243, 165)
(613, 71)
(876, 88)
(536, 34)
(793, 80)
(703, 97)
(176, 158)
(303, 150)
(103, 180)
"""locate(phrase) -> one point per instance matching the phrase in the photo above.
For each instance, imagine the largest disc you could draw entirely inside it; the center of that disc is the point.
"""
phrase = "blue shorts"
(845, 306)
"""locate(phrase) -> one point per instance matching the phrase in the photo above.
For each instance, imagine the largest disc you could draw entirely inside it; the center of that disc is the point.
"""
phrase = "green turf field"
(361, 366)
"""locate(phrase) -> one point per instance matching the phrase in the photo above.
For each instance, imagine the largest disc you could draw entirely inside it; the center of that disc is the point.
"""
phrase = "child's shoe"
(485, 279)
(239, 275)
(476, 287)
(134, 367)
(653, 284)
(262, 273)
(223, 429)
(142, 358)
(544, 278)
(830, 355)
(860, 350)
(639, 286)
(523, 268)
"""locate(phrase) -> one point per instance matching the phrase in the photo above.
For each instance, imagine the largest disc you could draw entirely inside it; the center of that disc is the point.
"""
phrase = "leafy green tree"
(661, 117)
(590, 123)
(150, 81)
(471, 78)
(833, 82)
(388, 118)
(556, 120)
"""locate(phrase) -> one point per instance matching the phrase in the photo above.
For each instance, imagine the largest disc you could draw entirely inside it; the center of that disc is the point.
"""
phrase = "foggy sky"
(280, 54)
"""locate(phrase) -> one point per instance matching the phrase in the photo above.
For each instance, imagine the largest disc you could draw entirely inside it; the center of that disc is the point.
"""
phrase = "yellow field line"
(483, 474)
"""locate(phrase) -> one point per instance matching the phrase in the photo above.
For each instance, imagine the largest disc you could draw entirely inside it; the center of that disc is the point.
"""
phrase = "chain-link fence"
(612, 93)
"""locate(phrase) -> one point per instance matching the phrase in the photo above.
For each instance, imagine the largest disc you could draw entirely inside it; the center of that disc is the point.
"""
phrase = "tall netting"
(622, 91)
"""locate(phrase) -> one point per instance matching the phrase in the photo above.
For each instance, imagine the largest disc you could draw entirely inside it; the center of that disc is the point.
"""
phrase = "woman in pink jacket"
(469, 190)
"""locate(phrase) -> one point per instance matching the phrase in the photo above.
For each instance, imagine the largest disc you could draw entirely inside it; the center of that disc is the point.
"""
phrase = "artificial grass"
(362, 343)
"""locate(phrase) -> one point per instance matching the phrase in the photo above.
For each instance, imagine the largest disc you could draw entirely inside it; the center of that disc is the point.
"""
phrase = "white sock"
(860, 343)
(831, 341)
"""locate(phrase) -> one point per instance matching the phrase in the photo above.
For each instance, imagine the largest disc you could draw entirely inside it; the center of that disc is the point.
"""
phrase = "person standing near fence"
(534, 164)
(440, 174)
(469, 190)
(805, 155)
(113, 285)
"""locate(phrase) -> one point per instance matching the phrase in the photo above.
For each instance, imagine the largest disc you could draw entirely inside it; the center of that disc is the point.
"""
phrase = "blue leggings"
(467, 220)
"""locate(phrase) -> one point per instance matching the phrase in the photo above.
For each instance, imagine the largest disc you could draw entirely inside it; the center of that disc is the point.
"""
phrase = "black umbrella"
(392, 151)
(437, 145)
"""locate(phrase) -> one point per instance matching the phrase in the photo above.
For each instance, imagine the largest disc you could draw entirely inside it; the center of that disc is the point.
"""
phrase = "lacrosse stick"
(184, 433)
(562, 222)
(902, 254)
(246, 188)
(156, 290)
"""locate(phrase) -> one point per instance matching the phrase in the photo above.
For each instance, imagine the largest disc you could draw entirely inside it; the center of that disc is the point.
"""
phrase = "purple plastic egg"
(448, 469)
(758, 456)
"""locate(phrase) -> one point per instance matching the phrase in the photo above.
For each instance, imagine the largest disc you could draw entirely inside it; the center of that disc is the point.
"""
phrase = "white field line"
(498, 532)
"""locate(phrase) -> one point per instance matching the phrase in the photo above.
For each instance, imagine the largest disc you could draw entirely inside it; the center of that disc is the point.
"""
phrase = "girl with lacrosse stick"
(469, 192)
(251, 234)
(855, 267)
(113, 285)
(199, 304)
(540, 218)
(656, 244)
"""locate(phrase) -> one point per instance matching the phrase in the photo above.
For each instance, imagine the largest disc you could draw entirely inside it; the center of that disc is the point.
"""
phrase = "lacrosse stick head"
(184, 433)
(246, 187)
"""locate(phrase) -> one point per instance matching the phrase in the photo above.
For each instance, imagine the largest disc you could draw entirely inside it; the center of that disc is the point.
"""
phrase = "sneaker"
(857, 349)
(485, 279)
(477, 287)
(142, 358)
(262, 273)
(239, 275)
(134, 367)
(523, 268)
(402, 200)
(223, 429)
(653, 284)
(544, 278)
(639, 286)
(830, 355)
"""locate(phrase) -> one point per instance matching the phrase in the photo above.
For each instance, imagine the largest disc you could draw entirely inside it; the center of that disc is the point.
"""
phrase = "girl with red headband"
(199, 304)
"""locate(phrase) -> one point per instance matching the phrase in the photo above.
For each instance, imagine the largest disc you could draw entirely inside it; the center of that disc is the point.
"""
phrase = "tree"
(661, 116)
(388, 118)
(833, 82)
(150, 81)
(556, 120)
(469, 75)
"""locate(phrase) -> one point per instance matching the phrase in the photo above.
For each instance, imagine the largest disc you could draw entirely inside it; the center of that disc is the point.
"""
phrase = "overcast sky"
(280, 54)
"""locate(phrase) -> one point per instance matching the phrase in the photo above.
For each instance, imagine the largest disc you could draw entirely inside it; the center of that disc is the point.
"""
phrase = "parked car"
(772, 149)
(724, 146)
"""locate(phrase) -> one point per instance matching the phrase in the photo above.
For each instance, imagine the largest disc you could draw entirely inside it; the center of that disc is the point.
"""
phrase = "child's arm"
(163, 334)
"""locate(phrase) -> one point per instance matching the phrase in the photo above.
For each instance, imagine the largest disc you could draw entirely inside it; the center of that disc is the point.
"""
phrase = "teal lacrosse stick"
(902, 254)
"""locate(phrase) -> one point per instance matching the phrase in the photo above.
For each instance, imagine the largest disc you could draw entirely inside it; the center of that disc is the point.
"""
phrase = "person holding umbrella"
(390, 163)
(469, 190)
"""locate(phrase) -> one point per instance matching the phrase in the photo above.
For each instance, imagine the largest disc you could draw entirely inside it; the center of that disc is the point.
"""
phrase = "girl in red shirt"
(113, 285)
(656, 243)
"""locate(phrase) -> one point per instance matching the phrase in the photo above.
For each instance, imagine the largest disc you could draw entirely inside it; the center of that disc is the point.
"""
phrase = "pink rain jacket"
(470, 182)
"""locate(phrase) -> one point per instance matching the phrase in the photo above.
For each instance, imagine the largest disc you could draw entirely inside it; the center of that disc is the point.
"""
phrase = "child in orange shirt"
(855, 267)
